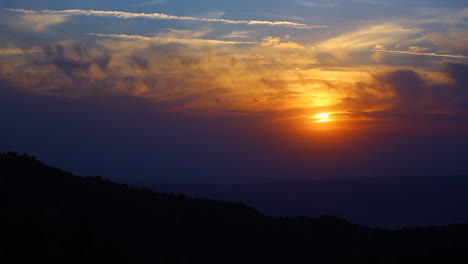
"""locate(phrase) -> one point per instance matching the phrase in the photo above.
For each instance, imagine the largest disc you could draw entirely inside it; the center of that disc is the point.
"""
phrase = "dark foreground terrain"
(51, 216)
(390, 203)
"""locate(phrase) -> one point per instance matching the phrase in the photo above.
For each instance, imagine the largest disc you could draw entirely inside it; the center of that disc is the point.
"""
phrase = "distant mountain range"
(52, 216)
(378, 202)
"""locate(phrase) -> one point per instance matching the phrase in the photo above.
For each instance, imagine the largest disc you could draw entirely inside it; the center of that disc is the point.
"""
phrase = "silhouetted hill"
(52, 216)
(392, 202)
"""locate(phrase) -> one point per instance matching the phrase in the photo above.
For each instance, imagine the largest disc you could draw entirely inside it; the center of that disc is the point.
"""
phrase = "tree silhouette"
(52, 216)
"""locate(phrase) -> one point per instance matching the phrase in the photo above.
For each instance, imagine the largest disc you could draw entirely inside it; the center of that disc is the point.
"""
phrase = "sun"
(323, 117)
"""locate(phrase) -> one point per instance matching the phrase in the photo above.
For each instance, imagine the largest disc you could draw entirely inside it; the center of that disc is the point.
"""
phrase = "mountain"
(393, 202)
(52, 216)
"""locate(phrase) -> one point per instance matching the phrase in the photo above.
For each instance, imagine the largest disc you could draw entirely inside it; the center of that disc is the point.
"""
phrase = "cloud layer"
(350, 73)
(159, 16)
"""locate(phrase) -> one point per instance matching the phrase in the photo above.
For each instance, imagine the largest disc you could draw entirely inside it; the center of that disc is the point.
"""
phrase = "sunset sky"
(236, 91)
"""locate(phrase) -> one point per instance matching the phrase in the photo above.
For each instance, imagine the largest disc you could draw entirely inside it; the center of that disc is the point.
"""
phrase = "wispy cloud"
(38, 22)
(319, 4)
(161, 16)
(281, 43)
(150, 3)
(162, 39)
(215, 14)
(237, 34)
(368, 37)
(18, 51)
(372, 2)
(421, 53)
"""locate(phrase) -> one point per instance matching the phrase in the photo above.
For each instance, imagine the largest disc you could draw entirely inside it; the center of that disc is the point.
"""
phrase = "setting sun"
(323, 117)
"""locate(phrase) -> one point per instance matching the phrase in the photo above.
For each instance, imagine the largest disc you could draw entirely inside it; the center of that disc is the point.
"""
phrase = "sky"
(236, 91)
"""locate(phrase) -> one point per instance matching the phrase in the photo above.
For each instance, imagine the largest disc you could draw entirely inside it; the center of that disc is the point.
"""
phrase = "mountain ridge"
(57, 217)
(387, 202)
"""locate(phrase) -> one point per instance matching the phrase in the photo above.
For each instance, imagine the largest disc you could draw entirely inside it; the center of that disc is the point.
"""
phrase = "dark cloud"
(81, 50)
(415, 94)
(75, 67)
(168, 74)
(140, 62)
(409, 89)
(459, 73)
(173, 54)
(103, 62)
(72, 68)
(419, 102)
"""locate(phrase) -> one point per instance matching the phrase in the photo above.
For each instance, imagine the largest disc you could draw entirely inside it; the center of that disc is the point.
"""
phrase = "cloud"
(453, 40)
(38, 22)
(457, 71)
(412, 95)
(167, 73)
(375, 42)
(280, 43)
(348, 48)
(372, 2)
(164, 40)
(160, 16)
(150, 3)
(169, 76)
(367, 37)
(238, 34)
(319, 4)
(409, 88)
(17, 51)
(418, 49)
(214, 14)
(421, 53)
(186, 34)
(195, 75)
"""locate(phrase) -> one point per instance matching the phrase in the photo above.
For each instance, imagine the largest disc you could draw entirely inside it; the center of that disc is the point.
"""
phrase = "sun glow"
(323, 117)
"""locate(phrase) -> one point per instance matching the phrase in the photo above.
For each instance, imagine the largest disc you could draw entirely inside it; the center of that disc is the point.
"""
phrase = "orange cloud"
(201, 76)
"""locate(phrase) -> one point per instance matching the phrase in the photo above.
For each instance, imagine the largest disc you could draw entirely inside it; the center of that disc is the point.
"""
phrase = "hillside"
(382, 202)
(52, 216)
